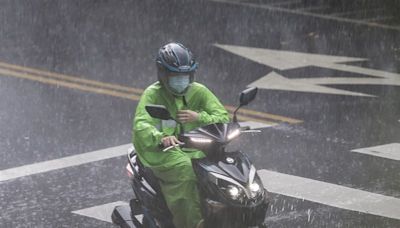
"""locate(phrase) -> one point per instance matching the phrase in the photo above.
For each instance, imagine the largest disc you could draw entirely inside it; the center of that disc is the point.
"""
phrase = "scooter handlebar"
(173, 146)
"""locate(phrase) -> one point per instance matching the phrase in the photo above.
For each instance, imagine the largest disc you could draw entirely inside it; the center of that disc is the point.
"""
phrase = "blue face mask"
(179, 83)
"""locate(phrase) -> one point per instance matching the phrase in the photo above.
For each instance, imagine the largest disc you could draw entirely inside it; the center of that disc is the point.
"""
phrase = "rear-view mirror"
(247, 95)
(158, 111)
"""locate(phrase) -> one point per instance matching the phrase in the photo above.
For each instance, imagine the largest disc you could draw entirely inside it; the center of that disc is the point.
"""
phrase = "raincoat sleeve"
(146, 136)
(213, 111)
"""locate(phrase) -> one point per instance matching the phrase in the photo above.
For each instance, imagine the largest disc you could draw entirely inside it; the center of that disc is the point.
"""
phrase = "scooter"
(231, 192)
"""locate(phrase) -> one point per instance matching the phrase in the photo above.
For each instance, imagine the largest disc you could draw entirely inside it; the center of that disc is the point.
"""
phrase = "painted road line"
(310, 14)
(262, 121)
(103, 212)
(390, 151)
(68, 84)
(297, 187)
(255, 125)
(75, 83)
(362, 70)
(70, 78)
(284, 184)
(286, 60)
(275, 81)
(264, 115)
(80, 159)
(331, 194)
(350, 81)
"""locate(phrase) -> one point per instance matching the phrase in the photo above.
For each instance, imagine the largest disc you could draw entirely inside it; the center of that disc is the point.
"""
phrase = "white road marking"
(64, 162)
(276, 81)
(393, 77)
(349, 81)
(286, 60)
(103, 212)
(331, 194)
(390, 151)
(80, 159)
(302, 188)
(255, 125)
(310, 14)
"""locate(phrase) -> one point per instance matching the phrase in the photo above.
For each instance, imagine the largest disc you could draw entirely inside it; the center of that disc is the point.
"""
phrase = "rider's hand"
(170, 141)
(187, 116)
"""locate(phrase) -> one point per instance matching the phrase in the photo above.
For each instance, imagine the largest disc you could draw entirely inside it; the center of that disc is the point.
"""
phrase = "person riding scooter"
(192, 105)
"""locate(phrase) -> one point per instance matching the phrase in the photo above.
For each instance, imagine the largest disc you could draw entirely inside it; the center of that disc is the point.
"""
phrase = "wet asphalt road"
(116, 43)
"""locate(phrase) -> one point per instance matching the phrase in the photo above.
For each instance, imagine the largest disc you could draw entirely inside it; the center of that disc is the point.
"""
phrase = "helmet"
(174, 59)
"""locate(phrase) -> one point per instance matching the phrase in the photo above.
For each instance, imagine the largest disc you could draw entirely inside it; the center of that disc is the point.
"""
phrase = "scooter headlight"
(229, 187)
(233, 191)
(256, 188)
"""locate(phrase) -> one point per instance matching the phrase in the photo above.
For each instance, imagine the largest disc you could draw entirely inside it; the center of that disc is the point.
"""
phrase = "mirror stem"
(234, 114)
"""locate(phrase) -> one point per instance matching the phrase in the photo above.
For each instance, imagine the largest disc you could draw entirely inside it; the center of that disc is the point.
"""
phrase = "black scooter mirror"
(248, 95)
(158, 111)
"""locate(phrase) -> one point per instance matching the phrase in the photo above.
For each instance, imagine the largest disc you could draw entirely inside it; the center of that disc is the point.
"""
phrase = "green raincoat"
(174, 167)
